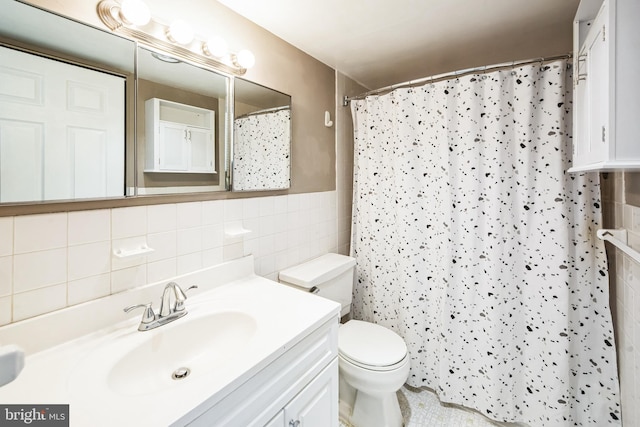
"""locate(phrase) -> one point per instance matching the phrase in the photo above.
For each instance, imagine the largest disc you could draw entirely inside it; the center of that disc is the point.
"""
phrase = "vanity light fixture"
(133, 19)
(245, 58)
(180, 32)
(135, 12)
(215, 46)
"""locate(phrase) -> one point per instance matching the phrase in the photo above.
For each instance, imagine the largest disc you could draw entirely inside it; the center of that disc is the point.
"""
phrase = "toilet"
(373, 360)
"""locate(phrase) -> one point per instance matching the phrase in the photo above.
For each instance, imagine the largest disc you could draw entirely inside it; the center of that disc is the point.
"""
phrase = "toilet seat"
(371, 346)
(388, 368)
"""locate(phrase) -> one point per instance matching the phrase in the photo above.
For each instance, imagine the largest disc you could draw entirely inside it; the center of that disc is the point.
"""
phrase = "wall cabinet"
(179, 138)
(606, 110)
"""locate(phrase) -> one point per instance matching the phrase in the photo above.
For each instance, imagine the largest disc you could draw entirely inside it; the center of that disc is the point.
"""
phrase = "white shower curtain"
(476, 246)
(261, 151)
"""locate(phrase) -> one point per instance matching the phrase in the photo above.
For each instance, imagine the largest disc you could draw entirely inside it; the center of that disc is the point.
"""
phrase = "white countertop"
(76, 371)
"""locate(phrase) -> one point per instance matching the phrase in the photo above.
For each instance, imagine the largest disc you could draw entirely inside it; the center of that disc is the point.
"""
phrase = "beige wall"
(344, 159)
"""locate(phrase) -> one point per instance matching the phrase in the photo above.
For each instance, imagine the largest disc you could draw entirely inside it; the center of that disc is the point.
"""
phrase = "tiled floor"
(421, 408)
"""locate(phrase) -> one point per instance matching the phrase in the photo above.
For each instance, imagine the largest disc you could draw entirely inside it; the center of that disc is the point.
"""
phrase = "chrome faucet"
(168, 311)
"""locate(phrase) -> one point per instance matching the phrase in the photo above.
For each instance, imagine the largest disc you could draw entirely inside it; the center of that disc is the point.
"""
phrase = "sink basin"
(181, 351)
(172, 354)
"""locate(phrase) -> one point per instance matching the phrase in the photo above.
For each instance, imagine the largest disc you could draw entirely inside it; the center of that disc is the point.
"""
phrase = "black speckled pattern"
(474, 244)
(261, 151)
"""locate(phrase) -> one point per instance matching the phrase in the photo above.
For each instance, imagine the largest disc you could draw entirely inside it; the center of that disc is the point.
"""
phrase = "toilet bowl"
(373, 361)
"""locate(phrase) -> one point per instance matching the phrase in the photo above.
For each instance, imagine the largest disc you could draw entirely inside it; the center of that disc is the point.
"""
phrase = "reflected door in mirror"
(62, 130)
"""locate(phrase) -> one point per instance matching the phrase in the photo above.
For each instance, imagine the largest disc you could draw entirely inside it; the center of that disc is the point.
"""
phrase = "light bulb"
(215, 46)
(135, 12)
(180, 32)
(245, 58)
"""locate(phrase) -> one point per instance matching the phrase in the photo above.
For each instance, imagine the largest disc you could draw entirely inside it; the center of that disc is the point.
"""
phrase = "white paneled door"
(62, 130)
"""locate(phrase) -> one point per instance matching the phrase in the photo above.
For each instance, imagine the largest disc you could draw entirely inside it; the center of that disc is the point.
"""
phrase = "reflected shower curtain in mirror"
(476, 246)
(261, 150)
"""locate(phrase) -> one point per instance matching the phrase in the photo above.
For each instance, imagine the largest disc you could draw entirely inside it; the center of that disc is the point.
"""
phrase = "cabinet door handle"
(579, 75)
(295, 423)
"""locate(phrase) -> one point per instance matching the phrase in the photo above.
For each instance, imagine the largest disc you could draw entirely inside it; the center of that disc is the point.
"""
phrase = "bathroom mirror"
(66, 93)
(181, 126)
(261, 138)
(108, 146)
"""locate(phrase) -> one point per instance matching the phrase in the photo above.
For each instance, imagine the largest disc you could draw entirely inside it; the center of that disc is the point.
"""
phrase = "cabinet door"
(597, 50)
(317, 404)
(173, 147)
(277, 421)
(201, 150)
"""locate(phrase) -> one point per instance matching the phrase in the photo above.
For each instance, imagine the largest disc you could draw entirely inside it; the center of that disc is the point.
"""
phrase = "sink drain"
(181, 373)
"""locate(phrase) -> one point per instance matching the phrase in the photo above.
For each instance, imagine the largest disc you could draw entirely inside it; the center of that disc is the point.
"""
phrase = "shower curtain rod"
(268, 110)
(455, 74)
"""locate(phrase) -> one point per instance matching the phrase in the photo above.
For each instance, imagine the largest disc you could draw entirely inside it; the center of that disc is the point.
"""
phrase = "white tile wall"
(6, 231)
(51, 261)
(627, 320)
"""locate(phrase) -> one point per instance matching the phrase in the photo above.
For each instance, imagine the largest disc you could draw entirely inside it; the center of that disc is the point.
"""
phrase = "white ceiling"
(381, 42)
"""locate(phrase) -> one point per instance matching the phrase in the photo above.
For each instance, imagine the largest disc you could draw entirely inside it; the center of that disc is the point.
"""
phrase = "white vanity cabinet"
(298, 389)
(179, 137)
(606, 107)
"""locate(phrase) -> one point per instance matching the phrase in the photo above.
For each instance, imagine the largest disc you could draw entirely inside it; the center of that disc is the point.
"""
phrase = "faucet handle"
(181, 296)
(147, 317)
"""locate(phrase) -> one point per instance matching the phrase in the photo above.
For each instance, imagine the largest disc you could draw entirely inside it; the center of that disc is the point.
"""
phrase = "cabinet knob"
(295, 423)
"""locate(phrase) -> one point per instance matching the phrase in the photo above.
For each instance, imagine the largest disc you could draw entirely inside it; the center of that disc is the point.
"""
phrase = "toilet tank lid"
(317, 271)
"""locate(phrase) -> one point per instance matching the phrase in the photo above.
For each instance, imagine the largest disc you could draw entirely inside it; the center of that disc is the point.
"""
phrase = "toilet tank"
(330, 276)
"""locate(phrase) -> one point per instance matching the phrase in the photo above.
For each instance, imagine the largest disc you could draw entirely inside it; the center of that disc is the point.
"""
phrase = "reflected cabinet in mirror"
(261, 138)
(65, 90)
(181, 128)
